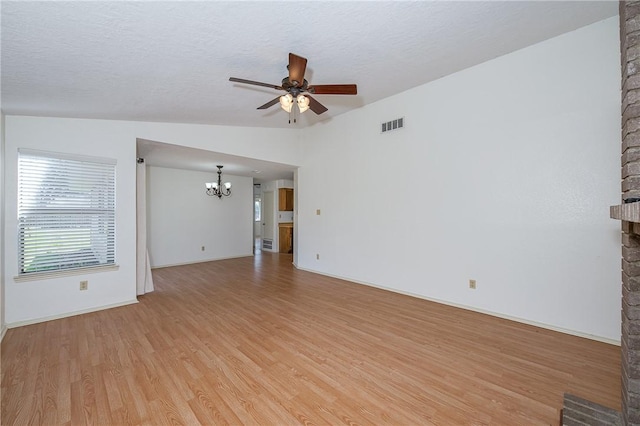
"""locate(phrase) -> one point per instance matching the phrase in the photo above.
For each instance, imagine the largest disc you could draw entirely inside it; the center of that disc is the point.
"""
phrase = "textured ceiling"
(171, 61)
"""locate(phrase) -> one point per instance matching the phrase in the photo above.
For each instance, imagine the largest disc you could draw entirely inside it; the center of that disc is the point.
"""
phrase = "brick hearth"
(579, 412)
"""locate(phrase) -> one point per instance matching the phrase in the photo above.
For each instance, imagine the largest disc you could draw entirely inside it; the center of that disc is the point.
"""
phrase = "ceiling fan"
(298, 88)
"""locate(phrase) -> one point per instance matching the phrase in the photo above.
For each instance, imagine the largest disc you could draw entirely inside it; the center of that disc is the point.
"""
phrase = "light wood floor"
(255, 341)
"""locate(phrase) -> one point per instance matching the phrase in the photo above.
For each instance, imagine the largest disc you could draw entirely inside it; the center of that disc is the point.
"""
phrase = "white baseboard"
(68, 314)
(201, 261)
(474, 309)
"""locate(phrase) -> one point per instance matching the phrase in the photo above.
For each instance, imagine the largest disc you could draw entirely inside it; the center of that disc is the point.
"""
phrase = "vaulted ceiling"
(171, 61)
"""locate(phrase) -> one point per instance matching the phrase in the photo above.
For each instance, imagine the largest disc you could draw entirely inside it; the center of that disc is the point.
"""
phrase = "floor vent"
(267, 244)
(396, 124)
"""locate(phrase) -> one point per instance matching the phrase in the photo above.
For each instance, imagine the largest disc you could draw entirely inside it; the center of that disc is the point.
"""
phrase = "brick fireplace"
(630, 341)
(629, 213)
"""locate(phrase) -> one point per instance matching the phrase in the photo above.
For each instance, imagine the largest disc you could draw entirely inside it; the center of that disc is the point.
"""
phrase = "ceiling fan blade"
(270, 103)
(255, 83)
(316, 106)
(297, 68)
(334, 89)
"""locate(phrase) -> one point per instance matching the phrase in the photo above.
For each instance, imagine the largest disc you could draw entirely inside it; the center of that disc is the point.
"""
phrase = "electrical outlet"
(318, 256)
(472, 284)
(317, 212)
(84, 285)
(202, 248)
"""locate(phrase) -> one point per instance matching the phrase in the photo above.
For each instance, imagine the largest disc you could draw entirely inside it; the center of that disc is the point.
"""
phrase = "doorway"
(268, 216)
(257, 218)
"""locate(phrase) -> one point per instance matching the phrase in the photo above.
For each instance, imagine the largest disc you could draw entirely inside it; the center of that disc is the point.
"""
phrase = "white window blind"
(66, 212)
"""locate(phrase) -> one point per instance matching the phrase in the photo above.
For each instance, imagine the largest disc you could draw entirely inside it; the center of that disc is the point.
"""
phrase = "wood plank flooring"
(255, 341)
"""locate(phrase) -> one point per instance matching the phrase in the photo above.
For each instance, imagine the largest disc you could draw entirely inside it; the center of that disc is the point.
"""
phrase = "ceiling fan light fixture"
(286, 102)
(303, 103)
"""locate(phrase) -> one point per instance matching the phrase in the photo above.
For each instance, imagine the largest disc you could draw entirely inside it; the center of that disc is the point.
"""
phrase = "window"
(66, 212)
(257, 209)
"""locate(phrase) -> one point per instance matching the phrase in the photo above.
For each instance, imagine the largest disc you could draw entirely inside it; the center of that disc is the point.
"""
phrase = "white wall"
(277, 145)
(504, 174)
(3, 328)
(35, 301)
(182, 218)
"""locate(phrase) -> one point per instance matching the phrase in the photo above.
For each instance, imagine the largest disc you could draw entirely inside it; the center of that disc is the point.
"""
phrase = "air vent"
(396, 124)
(267, 244)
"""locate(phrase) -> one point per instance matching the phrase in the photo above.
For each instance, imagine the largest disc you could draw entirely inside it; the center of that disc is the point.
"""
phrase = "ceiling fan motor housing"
(291, 87)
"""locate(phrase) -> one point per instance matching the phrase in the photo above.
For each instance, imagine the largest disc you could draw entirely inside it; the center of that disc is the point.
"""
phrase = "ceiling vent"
(396, 124)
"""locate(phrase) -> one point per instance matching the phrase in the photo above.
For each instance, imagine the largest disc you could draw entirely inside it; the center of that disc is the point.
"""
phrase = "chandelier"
(215, 189)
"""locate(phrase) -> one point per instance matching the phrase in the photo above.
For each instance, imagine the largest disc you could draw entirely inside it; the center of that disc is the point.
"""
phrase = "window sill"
(36, 276)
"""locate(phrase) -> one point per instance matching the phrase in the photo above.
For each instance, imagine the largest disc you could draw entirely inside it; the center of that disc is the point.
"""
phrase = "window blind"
(66, 212)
